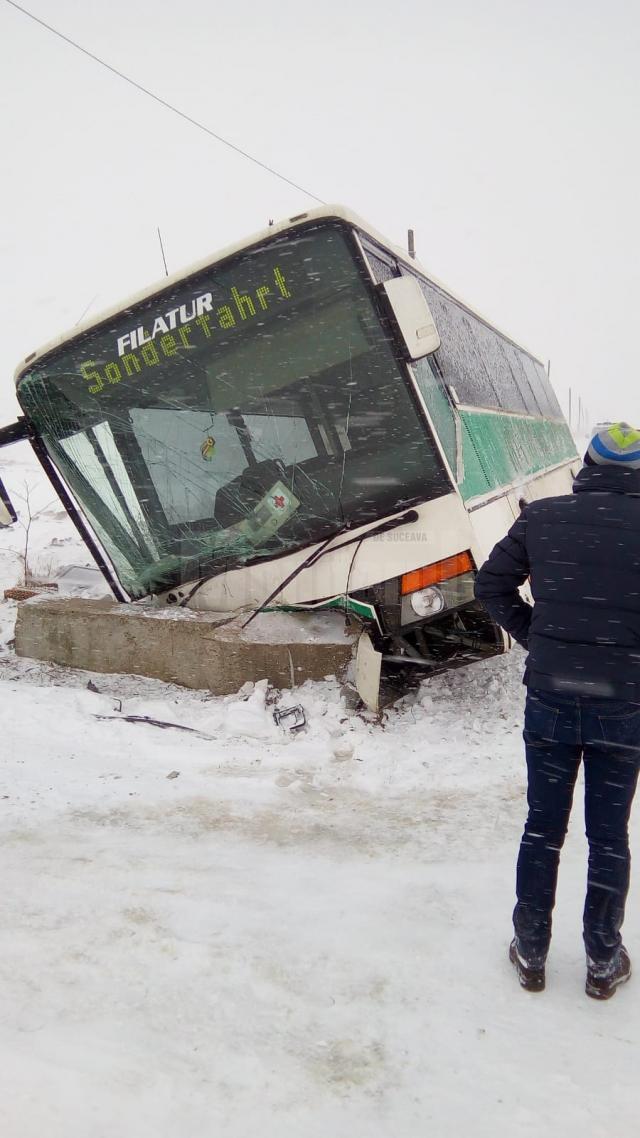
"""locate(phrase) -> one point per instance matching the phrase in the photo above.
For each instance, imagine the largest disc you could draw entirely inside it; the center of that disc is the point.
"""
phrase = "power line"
(164, 102)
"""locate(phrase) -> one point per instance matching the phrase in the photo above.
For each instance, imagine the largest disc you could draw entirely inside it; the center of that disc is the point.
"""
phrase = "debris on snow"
(290, 718)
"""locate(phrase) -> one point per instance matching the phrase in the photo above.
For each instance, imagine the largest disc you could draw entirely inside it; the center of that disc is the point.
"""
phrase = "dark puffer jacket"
(582, 553)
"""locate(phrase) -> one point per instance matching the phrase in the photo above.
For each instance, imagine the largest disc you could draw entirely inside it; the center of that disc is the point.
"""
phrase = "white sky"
(505, 133)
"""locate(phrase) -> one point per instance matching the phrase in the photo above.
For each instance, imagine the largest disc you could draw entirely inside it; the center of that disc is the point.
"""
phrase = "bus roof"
(327, 212)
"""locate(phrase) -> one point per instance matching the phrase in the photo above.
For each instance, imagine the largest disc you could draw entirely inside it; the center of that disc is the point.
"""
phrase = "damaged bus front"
(272, 428)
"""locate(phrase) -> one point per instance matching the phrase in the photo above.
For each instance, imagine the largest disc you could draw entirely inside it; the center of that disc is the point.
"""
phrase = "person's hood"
(607, 480)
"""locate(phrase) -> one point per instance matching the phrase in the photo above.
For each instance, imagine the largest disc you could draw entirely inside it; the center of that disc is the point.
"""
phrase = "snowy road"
(295, 936)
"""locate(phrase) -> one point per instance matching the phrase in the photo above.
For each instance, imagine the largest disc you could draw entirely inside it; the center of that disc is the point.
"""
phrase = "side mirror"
(413, 316)
(7, 513)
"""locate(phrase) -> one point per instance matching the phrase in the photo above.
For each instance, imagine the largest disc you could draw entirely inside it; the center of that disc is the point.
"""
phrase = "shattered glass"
(249, 411)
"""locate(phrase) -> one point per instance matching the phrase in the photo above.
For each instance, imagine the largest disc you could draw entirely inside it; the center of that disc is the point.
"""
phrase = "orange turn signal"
(439, 571)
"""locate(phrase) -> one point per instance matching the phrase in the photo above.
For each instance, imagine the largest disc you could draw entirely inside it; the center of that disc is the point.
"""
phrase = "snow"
(300, 934)
(54, 543)
(302, 627)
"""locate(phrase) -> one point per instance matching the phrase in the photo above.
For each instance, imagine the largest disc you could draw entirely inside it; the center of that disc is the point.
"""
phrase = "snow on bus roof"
(341, 213)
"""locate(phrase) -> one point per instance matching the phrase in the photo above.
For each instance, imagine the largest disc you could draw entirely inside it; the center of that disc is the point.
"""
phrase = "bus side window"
(383, 266)
(439, 408)
(380, 270)
(499, 364)
(459, 356)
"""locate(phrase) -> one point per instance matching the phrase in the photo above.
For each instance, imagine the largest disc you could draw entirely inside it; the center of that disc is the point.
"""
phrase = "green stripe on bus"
(342, 603)
(500, 449)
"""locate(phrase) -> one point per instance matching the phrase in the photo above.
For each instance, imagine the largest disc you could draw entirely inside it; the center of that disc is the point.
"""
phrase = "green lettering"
(281, 283)
(131, 363)
(168, 345)
(204, 322)
(226, 317)
(242, 302)
(87, 371)
(261, 293)
(113, 373)
(150, 355)
(184, 334)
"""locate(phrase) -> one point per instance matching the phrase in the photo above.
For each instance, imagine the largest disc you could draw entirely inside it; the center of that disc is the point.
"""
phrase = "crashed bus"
(305, 421)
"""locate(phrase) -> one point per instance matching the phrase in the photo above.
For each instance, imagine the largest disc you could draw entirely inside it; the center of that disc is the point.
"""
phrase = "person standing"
(581, 552)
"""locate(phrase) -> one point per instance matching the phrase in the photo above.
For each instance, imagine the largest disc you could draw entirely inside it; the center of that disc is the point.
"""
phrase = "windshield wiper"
(382, 527)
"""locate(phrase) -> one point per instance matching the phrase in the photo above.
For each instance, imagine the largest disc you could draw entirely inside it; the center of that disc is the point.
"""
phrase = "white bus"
(306, 420)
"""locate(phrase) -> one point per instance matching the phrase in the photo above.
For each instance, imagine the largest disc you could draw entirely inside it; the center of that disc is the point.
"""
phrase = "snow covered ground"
(244, 932)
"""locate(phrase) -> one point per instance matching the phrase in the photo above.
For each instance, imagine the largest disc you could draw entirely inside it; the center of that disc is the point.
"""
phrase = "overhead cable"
(164, 102)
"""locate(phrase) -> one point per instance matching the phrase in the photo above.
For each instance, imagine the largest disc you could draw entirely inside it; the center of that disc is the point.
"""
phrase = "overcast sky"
(504, 133)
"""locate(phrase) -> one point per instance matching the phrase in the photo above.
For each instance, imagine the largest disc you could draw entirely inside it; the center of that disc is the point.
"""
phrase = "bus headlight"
(433, 599)
(427, 602)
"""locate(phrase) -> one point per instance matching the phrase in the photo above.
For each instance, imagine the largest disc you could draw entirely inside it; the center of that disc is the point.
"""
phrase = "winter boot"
(603, 979)
(530, 973)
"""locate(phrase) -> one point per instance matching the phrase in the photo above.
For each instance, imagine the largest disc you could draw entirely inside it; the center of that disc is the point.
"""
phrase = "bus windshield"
(251, 410)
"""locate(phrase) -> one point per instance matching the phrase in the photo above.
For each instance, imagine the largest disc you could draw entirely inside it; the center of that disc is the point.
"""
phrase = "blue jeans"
(559, 731)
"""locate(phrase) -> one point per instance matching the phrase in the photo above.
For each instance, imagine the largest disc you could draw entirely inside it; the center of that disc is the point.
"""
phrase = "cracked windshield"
(251, 410)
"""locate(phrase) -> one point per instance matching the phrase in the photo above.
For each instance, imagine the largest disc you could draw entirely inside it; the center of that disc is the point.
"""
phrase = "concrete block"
(195, 649)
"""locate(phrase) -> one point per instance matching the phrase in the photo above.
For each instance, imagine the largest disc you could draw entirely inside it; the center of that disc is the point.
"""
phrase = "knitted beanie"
(617, 445)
